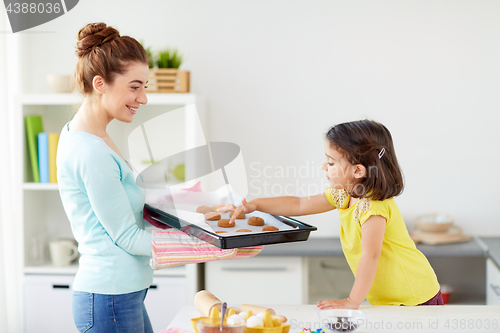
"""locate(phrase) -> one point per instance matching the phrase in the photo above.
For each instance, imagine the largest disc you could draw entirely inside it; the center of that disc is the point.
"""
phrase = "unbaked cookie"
(240, 217)
(224, 223)
(255, 220)
(270, 228)
(212, 216)
(204, 209)
(243, 230)
(221, 232)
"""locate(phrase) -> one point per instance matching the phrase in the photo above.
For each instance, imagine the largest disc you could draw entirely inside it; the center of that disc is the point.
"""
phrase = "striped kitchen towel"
(174, 248)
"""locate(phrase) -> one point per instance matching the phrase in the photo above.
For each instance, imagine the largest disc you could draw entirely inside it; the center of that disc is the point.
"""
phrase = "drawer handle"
(256, 269)
(153, 286)
(60, 286)
(496, 289)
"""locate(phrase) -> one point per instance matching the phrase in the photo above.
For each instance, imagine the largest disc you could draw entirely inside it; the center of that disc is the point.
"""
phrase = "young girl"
(364, 177)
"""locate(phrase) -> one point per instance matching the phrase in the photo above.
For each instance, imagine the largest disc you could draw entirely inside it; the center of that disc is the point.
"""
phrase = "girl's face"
(122, 98)
(340, 173)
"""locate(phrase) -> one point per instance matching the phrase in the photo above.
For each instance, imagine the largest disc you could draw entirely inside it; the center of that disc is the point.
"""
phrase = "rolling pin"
(257, 309)
(204, 301)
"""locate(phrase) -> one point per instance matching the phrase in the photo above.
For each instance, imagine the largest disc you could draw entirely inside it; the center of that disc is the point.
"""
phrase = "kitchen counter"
(421, 319)
(493, 248)
(330, 247)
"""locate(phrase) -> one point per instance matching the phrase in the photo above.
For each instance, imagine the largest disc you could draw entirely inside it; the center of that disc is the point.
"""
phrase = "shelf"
(72, 99)
(41, 186)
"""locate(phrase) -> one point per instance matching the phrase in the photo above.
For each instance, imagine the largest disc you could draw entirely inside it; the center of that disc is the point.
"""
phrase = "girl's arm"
(288, 206)
(372, 236)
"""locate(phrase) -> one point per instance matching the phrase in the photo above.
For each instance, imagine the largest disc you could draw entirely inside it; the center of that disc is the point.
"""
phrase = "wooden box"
(168, 80)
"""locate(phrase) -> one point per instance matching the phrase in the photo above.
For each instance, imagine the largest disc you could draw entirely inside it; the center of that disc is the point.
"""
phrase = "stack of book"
(42, 148)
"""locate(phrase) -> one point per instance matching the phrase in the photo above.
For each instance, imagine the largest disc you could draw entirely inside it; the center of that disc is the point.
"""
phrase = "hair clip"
(382, 152)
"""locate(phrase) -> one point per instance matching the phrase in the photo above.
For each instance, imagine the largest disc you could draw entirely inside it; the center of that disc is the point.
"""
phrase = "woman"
(100, 196)
(97, 186)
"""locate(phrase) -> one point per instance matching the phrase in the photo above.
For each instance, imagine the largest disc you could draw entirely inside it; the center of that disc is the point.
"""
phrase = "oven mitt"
(174, 248)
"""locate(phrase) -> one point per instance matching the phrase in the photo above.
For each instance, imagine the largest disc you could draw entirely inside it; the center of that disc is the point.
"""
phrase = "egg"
(255, 321)
(235, 320)
(261, 315)
(243, 314)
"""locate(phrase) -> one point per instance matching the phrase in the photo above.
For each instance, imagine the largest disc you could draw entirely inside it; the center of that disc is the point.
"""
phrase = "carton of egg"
(259, 323)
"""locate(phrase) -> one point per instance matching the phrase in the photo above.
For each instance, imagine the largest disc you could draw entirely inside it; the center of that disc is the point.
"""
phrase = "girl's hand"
(345, 303)
(245, 208)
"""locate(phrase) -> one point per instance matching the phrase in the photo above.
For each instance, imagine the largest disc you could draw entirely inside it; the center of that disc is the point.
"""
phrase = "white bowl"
(434, 222)
(341, 320)
(61, 83)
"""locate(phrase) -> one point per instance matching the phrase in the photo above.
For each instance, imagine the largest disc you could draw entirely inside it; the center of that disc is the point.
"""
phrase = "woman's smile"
(132, 109)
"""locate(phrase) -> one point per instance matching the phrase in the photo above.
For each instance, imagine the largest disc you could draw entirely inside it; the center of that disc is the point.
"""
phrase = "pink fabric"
(175, 330)
(173, 248)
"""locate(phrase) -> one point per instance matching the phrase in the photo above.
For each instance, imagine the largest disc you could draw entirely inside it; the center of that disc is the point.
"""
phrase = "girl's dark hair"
(362, 142)
(102, 51)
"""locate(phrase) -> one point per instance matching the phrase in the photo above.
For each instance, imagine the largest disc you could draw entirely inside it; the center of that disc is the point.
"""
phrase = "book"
(53, 141)
(43, 157)
(33, 127)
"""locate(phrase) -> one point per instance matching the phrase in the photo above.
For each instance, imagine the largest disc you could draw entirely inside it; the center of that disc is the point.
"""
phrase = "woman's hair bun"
(92, 35)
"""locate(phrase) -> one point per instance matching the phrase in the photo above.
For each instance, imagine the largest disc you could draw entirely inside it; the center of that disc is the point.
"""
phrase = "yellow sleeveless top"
(404, 276)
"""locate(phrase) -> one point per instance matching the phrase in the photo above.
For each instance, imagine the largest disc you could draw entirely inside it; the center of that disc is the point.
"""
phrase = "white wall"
(277, 74)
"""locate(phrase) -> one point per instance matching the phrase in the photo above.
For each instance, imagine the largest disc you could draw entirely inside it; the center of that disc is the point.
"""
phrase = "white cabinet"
(48, 302)
(165, 298)
(41, 218)
(492, 283)
(258, 280)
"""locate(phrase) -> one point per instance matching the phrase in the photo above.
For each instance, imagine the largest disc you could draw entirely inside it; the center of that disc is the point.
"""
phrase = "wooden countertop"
(421, 319)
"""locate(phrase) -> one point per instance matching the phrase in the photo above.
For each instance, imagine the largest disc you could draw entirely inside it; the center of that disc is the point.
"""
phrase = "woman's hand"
(245, 208)
(345, 303)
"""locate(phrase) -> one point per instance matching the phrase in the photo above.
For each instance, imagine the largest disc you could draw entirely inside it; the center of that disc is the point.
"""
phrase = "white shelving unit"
(40, 214)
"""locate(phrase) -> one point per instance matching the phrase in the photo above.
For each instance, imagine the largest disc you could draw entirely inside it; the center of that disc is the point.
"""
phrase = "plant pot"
(168, 80)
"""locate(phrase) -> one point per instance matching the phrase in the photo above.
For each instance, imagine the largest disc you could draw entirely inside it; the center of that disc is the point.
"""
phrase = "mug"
(63, 252)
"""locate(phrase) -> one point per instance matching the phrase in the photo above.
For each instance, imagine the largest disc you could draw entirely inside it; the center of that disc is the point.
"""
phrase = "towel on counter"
(174, 248)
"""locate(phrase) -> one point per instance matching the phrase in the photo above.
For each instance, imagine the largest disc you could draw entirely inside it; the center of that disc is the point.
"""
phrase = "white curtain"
(10, 267)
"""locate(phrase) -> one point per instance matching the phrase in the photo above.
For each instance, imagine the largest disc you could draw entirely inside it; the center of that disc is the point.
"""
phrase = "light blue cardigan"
(104, 206)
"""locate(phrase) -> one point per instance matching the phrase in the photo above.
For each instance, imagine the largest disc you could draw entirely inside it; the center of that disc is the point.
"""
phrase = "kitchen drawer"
(492, 283)
(258, 280)
(47, 306)
(166, 296)
(48, 302)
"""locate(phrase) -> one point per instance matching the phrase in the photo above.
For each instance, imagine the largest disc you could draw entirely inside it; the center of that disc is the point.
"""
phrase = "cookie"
(212, 216)
(270, 228)
(240, 217)
(243, 230)
(204, 209)
(224, 223)
(221, 232)
(255, 220)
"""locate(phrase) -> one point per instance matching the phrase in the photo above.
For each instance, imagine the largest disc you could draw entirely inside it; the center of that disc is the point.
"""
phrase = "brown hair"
(362, 142)
(102, 51)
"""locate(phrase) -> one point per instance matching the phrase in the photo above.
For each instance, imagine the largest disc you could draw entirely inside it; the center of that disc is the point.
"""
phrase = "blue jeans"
(111, 313)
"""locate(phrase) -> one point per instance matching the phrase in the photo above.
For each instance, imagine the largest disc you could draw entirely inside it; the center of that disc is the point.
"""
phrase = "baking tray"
(300, 231)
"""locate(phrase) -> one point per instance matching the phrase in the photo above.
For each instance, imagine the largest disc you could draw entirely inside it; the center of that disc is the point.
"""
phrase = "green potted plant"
(166, 75)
